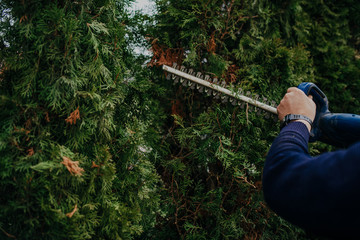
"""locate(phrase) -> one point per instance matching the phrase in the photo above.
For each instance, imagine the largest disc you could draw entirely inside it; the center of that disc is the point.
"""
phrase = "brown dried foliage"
(230, 74)
(94, 165)
(211, 47)
(177, 108)
(73, 117)
(28, 124)
(2, 70)
(21, 130)
(30, 152)
(47, 117)
(70, 214)
(8, 234)
(23, 18)
(72, 166)
(164, 55)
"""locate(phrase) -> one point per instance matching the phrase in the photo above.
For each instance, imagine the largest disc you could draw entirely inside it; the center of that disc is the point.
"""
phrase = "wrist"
(307, 124)
(297, 117)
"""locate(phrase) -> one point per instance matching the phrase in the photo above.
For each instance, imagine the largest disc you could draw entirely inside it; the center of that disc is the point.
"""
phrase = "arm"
(320, 193)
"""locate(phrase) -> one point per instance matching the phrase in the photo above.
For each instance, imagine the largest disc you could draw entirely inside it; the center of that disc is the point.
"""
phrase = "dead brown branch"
(72, 166)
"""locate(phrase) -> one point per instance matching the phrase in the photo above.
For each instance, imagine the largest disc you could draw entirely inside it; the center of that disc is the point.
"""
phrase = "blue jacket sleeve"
(320, 194)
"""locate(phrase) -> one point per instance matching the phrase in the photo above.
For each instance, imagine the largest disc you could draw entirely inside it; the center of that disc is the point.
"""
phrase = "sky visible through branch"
(147, 6)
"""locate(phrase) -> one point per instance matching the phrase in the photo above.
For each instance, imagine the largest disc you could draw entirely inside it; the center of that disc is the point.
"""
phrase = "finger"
(292, 89)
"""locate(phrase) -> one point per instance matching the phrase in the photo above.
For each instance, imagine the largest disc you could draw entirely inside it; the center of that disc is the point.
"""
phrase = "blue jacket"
(320, 194)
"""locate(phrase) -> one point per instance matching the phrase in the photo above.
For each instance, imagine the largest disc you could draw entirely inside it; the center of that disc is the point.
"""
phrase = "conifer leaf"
(98, 27)
(44, 166)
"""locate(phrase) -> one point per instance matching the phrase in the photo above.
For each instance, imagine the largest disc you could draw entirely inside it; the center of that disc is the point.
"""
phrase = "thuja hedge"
(212, 170)
(73, 133)
(95, 144)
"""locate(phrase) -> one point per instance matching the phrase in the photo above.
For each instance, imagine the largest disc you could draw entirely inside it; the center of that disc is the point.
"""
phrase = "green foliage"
(94, 145)
(212, 169)
(72, 123)
(330, 32)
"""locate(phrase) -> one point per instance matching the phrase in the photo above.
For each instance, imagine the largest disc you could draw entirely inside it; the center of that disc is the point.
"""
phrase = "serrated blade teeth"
(174, 77)
(242, 105)
(200, 88)
(191, 85)
(208, 91)
(224, 99)
(168, 76)
(273, 103)
(256, 109)
(240, 91)
(176, 80)
(182, 68)
(182, 80)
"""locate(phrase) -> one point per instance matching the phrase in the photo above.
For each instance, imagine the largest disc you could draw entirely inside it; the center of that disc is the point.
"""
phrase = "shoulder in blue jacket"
(320, 194)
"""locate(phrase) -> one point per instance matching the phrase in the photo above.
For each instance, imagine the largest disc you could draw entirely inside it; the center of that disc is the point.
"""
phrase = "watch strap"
(291, 117)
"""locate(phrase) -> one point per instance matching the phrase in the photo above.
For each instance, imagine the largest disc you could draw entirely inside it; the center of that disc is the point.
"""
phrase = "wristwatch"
(291, 117)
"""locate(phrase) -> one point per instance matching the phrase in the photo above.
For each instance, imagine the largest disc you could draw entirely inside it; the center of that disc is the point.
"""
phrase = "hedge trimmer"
(211, 86)
(339, 129)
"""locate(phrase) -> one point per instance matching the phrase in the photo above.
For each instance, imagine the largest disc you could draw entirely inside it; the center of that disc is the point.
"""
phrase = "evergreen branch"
(7, 234)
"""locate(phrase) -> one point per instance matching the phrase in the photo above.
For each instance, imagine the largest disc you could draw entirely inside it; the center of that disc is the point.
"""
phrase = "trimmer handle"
(338, 129)
(322, 107)
(320, 99)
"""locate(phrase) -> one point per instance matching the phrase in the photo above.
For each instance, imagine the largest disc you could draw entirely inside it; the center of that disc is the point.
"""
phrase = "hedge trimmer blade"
(216, 89)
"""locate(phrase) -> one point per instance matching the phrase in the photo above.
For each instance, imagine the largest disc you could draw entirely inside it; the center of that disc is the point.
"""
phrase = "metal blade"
(235, 95)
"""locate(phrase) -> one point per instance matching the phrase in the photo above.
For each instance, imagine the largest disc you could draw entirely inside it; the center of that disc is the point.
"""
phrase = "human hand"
(295, 101)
